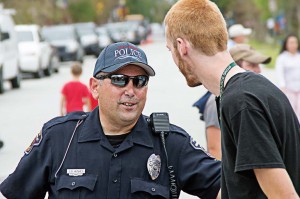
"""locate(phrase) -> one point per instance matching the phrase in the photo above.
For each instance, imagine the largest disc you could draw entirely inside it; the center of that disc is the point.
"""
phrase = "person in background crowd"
(112, 152)
(260, 131)
(288, 71)
(74, 94)
(237, 35)
(248, 59)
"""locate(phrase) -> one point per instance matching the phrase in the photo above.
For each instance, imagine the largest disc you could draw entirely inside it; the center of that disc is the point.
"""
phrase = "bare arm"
(213, 136)
(87, 103)
(1, 195)
(62, 105)
(219, 195)
(276, 183)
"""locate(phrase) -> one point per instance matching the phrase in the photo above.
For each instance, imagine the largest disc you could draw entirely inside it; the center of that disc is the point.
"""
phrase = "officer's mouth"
(128, 104)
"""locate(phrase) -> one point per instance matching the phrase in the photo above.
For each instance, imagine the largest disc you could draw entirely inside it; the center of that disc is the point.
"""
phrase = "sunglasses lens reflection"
(122, 80)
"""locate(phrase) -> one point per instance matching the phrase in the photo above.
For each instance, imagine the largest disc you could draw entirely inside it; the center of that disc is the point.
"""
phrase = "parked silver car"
(126, 31)
(88, 37)
(103, 37)
(66, 40)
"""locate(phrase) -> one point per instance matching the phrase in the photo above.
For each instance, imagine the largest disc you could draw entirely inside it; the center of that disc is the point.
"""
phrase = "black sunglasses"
(139, 81)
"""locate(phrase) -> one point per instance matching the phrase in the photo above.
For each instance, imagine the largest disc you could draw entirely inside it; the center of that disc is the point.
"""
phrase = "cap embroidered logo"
(124, 53)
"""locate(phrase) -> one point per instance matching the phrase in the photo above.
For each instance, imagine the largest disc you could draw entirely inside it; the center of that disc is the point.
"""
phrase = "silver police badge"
(153, 166)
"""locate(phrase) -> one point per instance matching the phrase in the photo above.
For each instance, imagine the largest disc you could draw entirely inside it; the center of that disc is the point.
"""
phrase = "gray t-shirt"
(210, 113)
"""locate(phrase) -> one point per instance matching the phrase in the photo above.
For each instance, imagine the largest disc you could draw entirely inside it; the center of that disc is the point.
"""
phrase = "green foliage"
(263, 7)
(154, 10)
(224, 5)
(83, 11)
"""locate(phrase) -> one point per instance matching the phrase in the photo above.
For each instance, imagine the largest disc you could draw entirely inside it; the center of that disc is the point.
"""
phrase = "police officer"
(112, 151)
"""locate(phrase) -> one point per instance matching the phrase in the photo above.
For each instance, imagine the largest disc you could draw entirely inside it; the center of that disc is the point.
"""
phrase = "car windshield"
(101, 31)
(116, 27)
(85, 31)
(24, 36)
(62, 33)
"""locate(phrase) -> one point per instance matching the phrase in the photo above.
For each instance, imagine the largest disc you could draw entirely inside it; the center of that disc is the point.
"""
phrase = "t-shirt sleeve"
(30, 178)
(210, 113)
(255, 142)
(199, 173)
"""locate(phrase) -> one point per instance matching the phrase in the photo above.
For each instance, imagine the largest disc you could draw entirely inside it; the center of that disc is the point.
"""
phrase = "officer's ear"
(94, 84)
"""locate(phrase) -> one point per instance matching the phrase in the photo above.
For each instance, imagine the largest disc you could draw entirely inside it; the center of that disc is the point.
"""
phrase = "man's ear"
(94, 87)
(181, 46)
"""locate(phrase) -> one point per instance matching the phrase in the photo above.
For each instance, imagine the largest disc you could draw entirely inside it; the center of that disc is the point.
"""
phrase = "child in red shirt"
(74, 94)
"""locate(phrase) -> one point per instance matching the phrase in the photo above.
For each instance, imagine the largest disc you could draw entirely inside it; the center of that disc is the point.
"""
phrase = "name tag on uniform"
(75, 172)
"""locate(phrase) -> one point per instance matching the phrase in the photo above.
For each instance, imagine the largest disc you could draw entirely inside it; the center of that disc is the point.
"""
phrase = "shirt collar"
(92, 130)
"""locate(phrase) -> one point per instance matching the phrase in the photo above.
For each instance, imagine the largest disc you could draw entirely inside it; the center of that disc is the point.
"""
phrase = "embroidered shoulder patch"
(36, 142)
(197, 146)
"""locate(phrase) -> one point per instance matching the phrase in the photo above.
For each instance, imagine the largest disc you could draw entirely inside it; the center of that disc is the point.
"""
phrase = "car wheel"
(48, 70)
(16, 81)
(1, 144)
(38, 74)
(1, 81)
(54, 63)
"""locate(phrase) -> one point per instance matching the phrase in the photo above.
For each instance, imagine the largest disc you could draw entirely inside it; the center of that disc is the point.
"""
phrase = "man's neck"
(209, 70)
(115, 127)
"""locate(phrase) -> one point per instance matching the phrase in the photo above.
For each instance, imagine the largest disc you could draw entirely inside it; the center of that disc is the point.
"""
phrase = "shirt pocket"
(141, 189)
(72, 186)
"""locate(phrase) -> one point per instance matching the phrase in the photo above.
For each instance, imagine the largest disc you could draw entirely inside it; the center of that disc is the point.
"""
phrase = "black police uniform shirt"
(92, 168)
(259, 130)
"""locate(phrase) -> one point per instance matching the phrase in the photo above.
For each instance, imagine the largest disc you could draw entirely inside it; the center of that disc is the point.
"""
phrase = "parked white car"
(9, 56)
(36, 53)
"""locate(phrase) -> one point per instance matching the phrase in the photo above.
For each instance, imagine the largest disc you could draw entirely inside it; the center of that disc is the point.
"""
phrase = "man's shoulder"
(71, 117)
(178, 130)
(174, 129)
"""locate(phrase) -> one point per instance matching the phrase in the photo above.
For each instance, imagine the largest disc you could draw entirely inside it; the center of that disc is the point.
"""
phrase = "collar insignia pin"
(154, 165)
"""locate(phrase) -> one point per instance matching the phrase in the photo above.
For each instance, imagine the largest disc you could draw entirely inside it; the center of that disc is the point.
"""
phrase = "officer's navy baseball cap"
(117, 55)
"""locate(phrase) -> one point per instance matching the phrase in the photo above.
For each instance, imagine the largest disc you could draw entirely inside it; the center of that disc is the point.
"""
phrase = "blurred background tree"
(252, 13)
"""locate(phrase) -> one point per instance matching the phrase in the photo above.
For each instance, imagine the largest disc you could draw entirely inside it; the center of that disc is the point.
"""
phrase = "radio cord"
(172, 177)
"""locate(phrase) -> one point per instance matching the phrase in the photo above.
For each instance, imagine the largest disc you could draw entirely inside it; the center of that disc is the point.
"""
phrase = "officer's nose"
(129, 89)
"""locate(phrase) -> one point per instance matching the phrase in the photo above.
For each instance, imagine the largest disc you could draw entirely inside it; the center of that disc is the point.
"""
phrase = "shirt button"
(115, 180)
(153, 189)
(115, 155)
(73, 183)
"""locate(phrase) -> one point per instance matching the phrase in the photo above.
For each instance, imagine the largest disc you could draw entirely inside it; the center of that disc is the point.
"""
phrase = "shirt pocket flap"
(139, 185)
(73, 182)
